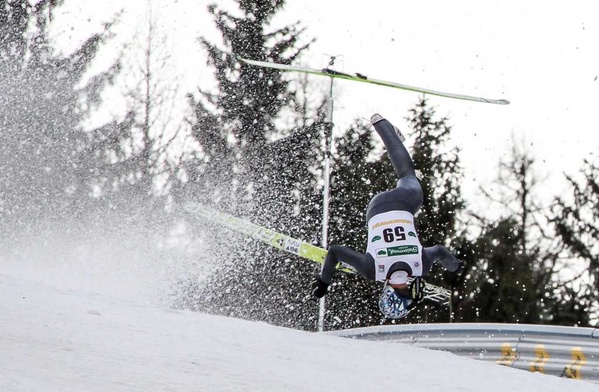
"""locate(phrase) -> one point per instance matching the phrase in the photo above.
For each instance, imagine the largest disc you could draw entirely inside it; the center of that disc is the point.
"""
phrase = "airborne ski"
(289, 244)
(364, 79)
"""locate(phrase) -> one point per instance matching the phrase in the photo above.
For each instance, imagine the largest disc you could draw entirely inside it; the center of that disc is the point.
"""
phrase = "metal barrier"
(561, 351)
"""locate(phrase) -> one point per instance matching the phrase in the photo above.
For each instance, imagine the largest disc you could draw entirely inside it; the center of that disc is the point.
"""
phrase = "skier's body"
(394, 252)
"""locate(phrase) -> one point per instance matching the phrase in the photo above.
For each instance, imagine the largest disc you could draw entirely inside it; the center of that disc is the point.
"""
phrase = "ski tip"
(500, 102)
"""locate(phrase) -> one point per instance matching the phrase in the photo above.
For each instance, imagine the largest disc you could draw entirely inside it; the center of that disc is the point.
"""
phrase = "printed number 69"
(395, 234)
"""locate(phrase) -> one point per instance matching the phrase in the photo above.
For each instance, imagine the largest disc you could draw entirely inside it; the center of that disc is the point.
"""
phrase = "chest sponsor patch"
(397, 251)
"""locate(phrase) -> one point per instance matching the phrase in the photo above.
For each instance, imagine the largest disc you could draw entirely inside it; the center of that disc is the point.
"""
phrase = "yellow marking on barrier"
(573, 370)
(509, 355)
(538, 365)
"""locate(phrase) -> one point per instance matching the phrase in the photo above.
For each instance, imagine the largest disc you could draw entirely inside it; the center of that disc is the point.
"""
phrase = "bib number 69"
(394, 234)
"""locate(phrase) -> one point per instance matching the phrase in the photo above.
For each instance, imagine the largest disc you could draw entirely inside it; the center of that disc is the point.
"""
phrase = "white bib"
(392, 237)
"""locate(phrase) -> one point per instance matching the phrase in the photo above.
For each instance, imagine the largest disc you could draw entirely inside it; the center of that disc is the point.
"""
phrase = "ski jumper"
(393, 243)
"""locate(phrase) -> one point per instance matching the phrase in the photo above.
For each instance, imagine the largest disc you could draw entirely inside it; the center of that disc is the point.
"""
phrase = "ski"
(270, 237)
(289, 244)
(363, 78)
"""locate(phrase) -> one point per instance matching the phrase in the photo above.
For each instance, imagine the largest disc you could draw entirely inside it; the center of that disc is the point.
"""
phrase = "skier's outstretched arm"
(361, 262)
(441, 254)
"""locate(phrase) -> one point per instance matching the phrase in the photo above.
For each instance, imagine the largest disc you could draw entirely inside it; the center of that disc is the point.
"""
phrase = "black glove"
(319, 288)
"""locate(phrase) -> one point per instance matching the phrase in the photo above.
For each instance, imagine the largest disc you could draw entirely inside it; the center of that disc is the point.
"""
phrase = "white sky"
(543, 56)
(57, 338)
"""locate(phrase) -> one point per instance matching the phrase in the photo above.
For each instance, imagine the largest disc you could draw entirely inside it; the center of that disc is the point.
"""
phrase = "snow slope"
(54, 338)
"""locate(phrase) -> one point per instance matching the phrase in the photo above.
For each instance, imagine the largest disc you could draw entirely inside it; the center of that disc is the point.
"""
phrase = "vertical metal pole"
(328, 144)
(451, 303)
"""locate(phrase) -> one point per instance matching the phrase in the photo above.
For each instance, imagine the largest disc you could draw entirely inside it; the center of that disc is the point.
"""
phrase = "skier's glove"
(319, 288)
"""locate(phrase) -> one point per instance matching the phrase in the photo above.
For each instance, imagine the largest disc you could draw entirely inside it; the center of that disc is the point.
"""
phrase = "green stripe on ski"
(273, 238)
(364, 79)
(312, 252)
(289, 244)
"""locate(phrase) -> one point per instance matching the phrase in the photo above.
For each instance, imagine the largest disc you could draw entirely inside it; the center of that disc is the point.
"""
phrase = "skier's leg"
(407, 196)
(398, 154)
(361, 262)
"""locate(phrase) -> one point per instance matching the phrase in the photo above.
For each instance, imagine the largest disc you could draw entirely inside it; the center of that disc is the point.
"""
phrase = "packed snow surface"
(58, 338)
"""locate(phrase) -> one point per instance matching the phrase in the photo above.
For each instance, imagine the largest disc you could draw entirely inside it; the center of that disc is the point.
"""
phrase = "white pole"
(328, 144)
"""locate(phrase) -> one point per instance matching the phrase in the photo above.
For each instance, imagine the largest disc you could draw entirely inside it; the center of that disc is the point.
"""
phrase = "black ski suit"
(406, 196)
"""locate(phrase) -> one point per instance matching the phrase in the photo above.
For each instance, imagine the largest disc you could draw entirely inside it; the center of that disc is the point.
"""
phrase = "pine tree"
(234, 124)
(441, 176)
(504, 278)
(254, 169)
(575, 221)
(518, 260)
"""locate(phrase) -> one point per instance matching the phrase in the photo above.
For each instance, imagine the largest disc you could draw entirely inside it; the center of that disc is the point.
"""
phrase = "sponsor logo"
(416, 264)
(376, 238)
(400, 250)
(392, 222)
(411, 234)
(292, 245)
(381, 268)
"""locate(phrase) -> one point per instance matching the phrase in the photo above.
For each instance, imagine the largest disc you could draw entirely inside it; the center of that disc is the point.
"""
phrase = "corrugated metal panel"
(561, 351)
